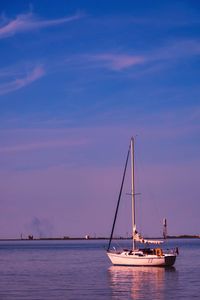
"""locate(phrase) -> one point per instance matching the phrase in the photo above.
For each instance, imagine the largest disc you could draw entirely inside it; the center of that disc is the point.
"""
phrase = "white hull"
(137, 259)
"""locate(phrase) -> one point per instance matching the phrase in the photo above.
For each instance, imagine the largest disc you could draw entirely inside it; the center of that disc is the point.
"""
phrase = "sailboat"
(146, 256)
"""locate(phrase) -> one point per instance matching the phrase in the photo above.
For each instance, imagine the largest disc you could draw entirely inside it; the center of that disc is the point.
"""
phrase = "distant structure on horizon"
(164, 228)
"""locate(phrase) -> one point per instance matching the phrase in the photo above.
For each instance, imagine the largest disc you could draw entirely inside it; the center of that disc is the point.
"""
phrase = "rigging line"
(119, 198)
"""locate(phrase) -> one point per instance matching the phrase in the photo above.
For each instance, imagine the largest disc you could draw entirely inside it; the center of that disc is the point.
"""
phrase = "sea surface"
(81, 270)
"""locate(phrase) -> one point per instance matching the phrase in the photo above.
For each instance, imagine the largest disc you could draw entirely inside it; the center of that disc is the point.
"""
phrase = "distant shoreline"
(185, 236)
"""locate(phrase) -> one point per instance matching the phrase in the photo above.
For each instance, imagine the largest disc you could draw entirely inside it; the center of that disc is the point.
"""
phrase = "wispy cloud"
(116, 61)
(21, 82)
(177, 50)
(38, 145)
(153, 61)
(171, 51)
(28, 22)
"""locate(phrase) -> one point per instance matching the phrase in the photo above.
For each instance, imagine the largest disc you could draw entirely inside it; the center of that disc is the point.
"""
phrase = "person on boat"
(176, 251)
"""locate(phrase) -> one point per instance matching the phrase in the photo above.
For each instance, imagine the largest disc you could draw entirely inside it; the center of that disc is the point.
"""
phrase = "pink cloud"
(154, 62)
(19, 83)
(28, 22)
(118, 61)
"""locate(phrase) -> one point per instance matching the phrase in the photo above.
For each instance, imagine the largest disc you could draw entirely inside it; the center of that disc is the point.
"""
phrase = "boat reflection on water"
(140, 282)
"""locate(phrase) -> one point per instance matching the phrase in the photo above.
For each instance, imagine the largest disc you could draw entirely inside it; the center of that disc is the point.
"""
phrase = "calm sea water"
(81, 270)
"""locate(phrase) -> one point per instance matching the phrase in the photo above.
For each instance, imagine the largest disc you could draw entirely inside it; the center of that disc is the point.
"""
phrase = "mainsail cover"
(138, 238)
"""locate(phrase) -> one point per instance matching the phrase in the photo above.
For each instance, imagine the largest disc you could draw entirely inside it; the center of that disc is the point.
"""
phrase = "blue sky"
(77, 80)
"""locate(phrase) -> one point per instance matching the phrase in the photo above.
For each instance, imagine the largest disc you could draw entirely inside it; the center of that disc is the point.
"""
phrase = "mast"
(133, 190)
